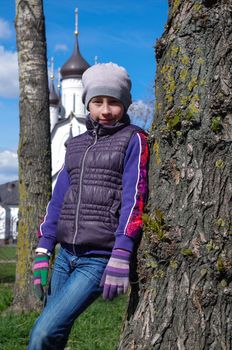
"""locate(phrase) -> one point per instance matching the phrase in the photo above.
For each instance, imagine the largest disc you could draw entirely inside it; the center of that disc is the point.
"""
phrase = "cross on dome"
(76, 64)
(76, 21)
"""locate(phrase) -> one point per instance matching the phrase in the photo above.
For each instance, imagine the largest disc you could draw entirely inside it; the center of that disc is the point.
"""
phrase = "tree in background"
(34, 145)
(184, 299)
(141, 113)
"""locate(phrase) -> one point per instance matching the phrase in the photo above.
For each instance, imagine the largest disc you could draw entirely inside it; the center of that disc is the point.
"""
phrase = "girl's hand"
(40, 269)
(115, 279)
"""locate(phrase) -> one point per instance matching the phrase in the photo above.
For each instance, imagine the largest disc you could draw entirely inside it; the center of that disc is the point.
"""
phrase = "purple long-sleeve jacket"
(133, 196)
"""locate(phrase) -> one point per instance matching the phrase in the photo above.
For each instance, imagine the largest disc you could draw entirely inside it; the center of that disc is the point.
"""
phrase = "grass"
(14, 330)
(6, 296)
(7, 273)
(98, 328)
(7, 269)
(7, 253)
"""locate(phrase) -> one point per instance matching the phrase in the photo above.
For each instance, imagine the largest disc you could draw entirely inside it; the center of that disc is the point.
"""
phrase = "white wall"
(2, 222)
(8, 222)
(13, 221)
(53, 116)
(71, 96)
(58, 147)
(59, 138)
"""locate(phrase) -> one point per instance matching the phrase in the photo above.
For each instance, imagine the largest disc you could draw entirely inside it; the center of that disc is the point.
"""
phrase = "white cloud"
(5, 30)
(9, 85)
(8, 166)
(61, 47)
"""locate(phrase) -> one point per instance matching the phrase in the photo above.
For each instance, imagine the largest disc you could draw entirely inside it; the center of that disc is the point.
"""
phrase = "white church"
(67, 119)
(67, 112)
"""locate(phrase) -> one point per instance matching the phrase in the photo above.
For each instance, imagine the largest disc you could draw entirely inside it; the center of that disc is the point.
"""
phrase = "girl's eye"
(114, 102)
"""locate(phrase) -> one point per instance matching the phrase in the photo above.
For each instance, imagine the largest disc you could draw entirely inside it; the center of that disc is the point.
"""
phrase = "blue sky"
(122, 31)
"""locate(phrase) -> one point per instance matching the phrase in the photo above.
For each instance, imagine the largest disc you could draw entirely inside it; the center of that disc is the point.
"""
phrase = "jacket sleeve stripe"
(136, 188)
(134, 191)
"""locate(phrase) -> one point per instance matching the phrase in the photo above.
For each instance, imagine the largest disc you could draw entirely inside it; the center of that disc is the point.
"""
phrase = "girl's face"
(106, 110)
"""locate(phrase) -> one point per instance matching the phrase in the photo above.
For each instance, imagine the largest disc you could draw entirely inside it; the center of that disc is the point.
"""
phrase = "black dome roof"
(76, 64)
(53, 97)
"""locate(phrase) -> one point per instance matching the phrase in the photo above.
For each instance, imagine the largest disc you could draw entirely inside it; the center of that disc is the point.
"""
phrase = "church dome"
(76, 64)
(53, 97)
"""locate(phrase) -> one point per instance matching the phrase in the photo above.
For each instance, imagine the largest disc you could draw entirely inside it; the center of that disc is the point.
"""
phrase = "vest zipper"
(80, 187)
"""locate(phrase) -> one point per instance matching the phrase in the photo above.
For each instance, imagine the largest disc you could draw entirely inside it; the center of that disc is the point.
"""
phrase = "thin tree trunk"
(34, 146)
(185, 259)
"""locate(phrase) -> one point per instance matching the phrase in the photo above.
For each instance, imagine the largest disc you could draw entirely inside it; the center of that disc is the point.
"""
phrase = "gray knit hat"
(106, 79)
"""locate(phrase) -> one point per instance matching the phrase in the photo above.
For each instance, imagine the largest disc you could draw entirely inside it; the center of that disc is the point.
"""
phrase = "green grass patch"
(98, 328)
(8, 264)
(14, 330)
(7, 252)
(6, 296)
(7, 272)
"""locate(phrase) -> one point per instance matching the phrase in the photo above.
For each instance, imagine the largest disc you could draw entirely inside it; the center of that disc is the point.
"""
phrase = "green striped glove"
(40, 269)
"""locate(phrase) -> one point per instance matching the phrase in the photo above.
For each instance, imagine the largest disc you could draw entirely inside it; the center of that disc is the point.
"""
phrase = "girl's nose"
(105, 108)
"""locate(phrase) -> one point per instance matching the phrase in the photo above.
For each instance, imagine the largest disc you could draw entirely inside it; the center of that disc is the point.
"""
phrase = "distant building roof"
(53, 97)
(65, 121)
(9, 193)
(76, 64)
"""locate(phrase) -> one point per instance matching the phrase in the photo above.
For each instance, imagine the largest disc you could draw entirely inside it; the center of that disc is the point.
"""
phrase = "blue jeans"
(74, 286)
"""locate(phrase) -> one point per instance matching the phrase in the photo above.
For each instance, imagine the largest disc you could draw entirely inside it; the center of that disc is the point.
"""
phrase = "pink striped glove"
(40, 269)
(115, 279)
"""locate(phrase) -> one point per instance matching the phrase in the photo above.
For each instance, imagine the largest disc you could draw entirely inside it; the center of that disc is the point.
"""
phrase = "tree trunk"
(185, 258)
(34, 146)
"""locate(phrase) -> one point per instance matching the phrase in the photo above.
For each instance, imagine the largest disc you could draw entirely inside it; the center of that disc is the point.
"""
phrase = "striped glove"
(40, 269)
(115, 279)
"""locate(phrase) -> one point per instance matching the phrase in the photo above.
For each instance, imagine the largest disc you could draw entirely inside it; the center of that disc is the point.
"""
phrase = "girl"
(95, 212)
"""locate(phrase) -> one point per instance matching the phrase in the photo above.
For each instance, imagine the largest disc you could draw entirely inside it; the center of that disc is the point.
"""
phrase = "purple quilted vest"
(91, 207)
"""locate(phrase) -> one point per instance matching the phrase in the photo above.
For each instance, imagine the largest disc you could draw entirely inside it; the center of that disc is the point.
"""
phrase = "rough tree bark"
(34, 146)
(185, 258)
